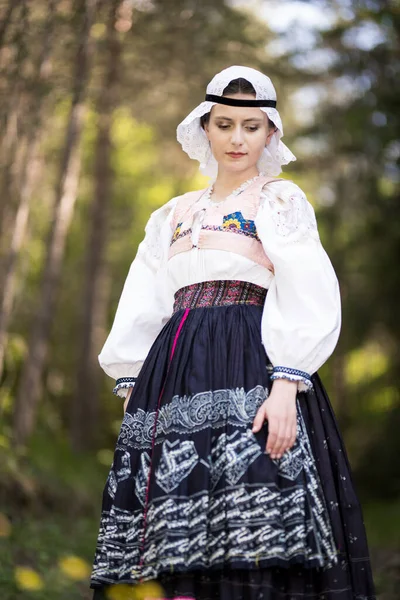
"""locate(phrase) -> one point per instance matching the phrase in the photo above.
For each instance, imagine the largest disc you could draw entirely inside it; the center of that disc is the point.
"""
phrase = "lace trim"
(293, 216)
(152, 249)
(207, 196)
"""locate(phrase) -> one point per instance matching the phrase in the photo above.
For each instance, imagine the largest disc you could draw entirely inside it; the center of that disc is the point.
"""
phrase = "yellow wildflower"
(28, 579)
(74, 567)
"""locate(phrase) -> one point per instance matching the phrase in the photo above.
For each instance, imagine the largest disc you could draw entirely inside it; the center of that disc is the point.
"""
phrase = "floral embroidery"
(237, 223)
(177, 231)
(179, 234)
(231, 223)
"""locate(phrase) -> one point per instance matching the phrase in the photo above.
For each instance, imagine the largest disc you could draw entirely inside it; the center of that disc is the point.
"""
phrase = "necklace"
(236, 191)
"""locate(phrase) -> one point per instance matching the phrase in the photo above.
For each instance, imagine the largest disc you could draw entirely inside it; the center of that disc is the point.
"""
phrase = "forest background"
(91, 94)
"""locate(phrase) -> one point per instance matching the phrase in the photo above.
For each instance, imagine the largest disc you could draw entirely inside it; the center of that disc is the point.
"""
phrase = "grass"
(40, 545)
(51, 499)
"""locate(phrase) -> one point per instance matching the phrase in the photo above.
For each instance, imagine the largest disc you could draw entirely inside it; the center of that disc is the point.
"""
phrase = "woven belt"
(219, 293)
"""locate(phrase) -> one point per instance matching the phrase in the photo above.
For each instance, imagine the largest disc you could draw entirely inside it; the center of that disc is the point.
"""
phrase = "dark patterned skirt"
(193, 501)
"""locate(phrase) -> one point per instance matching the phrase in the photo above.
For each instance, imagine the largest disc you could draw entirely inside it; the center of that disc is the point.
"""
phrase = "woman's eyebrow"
(244, 120)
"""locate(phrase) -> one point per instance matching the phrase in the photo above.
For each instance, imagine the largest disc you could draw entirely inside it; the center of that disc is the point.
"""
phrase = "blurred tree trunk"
(28, 175)
(6, 21)
(29, 388)
(12, 90)
(18, 235)
(11, 156)
(85, 411)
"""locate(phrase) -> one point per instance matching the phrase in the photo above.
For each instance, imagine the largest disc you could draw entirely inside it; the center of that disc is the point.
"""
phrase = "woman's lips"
(236, 154)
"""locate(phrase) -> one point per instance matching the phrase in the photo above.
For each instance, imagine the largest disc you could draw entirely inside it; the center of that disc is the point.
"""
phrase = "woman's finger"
(290, 432)
(272, 435)
(259, 419)
(278, 437)
(293, 434)
(287, 438)
(281, 439)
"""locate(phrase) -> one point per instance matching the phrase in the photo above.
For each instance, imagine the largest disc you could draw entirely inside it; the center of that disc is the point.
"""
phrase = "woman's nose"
(237, 135)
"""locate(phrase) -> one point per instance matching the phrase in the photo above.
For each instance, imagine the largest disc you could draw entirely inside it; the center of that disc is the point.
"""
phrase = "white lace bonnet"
(193, 138)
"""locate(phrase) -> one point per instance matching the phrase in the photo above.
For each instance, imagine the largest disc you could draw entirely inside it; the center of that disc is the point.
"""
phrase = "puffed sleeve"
(302, 314)
(145, 304)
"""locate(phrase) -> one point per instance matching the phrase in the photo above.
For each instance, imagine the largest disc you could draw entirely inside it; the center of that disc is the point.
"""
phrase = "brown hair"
(236, 86)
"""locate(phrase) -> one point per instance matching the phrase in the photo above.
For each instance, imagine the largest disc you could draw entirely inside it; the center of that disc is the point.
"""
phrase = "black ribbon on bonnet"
(237, 102)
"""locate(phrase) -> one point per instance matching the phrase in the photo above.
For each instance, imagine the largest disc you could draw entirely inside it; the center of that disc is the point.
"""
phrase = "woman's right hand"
(127, 398)
(279, 409)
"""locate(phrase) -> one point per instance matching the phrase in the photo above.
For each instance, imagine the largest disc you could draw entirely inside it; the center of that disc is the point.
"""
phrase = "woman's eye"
(248, 128)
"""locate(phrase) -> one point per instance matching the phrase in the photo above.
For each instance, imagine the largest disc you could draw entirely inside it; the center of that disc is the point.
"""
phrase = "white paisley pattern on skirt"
(238, 522)
(189, 414)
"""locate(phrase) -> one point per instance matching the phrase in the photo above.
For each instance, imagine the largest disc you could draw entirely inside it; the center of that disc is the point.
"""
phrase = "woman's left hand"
(279, 409)
(127, 399)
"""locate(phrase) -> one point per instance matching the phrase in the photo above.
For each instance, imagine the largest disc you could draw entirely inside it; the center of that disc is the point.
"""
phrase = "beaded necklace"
(207, 195)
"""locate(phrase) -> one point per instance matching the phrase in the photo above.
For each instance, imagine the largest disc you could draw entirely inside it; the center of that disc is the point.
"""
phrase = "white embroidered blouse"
(302, 313)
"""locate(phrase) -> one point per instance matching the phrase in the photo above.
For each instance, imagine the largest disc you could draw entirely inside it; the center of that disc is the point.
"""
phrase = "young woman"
(230, 479)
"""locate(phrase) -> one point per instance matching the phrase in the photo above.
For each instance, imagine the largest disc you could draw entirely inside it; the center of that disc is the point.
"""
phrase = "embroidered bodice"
(267, 234)
(229, 225)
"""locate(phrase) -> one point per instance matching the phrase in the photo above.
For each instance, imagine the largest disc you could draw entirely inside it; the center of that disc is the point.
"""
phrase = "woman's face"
(241, 130)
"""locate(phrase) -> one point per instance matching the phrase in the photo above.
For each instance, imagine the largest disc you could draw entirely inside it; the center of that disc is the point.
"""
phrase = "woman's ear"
(270, 134)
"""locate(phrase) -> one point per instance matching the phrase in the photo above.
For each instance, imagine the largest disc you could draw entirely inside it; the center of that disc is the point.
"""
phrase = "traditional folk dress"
(220, 300)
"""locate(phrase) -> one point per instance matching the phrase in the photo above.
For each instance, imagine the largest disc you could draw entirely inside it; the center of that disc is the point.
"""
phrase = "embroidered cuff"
(122, 384)
(303, 378)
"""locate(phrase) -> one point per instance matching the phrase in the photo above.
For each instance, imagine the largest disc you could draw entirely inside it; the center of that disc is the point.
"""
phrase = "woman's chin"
(236, 166)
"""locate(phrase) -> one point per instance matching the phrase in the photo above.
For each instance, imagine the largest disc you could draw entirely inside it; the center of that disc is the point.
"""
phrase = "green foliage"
(41, 543)
(51, 499)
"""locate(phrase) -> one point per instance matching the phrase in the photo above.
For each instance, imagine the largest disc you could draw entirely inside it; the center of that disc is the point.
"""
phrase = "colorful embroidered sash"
(219, 293)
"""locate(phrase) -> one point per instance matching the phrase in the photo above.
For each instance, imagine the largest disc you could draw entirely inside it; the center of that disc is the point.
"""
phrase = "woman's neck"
(225, 183)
